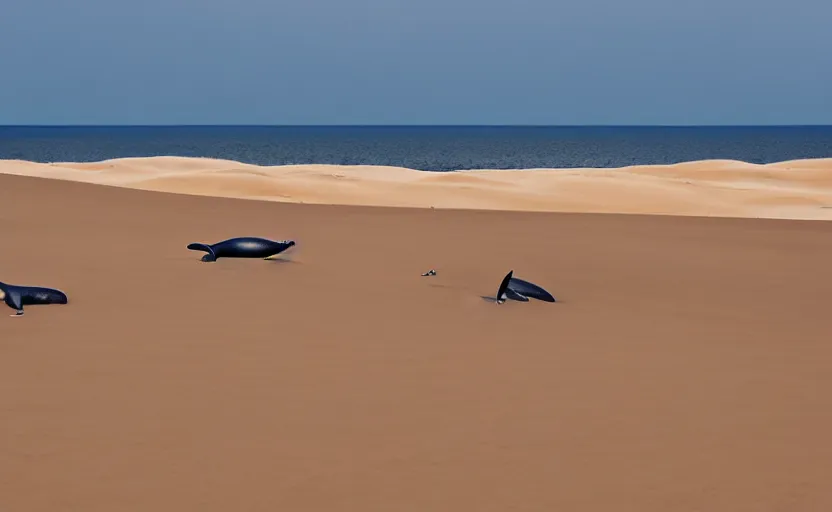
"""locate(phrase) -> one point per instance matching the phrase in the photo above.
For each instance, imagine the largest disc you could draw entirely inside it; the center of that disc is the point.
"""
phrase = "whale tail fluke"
(204, 248)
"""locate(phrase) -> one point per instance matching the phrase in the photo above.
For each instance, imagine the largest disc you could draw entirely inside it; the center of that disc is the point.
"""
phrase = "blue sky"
(416, 62)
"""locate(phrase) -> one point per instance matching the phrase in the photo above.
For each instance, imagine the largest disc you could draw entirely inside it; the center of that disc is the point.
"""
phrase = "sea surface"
(430, 148)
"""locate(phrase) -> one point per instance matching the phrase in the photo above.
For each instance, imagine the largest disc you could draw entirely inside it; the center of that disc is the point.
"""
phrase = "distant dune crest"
(797, 189)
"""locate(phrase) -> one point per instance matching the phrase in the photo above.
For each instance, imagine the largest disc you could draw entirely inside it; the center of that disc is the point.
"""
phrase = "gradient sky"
(415, 62)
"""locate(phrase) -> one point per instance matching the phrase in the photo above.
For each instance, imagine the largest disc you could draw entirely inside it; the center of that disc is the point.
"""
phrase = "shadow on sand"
(281, 260)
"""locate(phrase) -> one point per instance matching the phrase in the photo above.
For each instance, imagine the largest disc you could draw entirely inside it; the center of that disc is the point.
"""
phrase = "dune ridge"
(796, 189)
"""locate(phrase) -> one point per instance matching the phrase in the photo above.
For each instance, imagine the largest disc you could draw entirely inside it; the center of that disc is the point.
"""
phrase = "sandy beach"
(800, 189)
(684, 368)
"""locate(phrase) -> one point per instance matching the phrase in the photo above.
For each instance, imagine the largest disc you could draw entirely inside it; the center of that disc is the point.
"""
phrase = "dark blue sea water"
(434, 148)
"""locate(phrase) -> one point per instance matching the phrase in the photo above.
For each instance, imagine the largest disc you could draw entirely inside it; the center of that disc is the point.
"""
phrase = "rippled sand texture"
(795, 190)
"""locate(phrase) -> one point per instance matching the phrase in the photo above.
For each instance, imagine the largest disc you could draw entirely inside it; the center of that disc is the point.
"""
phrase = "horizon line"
(235, 125)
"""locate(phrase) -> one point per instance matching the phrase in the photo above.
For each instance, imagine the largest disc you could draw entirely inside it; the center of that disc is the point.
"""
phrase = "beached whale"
(517, 289)
(242, 247)
(16, 296)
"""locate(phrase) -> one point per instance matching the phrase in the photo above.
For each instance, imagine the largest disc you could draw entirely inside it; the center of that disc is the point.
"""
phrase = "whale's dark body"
(16, 296)
(242, 247)
(517, 289)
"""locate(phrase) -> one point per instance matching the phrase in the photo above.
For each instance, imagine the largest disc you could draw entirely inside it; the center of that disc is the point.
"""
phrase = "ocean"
(429, 148)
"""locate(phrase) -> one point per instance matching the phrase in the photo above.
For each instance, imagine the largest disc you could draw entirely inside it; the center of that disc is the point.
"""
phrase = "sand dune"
(800, 189)
(684, 368)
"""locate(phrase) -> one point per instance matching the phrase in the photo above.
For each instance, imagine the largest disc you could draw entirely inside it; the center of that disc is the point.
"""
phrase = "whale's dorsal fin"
(501, 292)
(204, 248)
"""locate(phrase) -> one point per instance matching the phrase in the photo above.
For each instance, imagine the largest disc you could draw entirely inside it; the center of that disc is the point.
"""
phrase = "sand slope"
(686, 368)
(796, 189)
